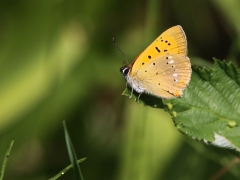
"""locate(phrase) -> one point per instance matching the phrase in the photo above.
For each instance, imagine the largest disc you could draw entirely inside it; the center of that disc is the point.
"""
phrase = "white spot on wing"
(175, 75)
(170, 62)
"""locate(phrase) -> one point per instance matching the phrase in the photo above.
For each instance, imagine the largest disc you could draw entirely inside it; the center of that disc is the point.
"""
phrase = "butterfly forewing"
(172, 41)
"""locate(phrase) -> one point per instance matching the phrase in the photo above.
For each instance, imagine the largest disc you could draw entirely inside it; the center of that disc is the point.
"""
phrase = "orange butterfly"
(163, 68)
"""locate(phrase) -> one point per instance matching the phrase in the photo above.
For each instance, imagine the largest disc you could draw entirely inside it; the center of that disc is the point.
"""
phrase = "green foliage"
(209, 109)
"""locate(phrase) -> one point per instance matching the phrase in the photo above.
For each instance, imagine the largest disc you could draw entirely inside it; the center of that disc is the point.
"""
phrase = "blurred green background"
(58, 62)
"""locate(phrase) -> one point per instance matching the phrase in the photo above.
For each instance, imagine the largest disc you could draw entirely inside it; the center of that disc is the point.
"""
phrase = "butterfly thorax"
(133, 82)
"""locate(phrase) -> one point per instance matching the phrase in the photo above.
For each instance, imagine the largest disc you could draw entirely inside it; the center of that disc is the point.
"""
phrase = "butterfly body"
(163, 68)
(133, 82)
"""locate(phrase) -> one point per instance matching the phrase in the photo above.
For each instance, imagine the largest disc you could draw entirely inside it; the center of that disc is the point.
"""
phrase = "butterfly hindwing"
(166, 76)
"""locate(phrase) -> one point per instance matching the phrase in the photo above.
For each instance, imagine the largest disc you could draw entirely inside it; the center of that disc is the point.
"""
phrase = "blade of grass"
(66, 169)
(6, 160)
(72, 154)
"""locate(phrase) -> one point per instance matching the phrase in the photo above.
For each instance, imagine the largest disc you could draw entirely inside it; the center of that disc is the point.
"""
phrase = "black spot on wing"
(158, 50)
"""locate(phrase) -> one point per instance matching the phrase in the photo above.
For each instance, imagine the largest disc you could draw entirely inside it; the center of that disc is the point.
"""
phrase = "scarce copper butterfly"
(163, 68)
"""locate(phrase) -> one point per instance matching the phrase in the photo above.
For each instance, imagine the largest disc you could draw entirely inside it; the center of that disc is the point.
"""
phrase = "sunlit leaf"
(209, 110)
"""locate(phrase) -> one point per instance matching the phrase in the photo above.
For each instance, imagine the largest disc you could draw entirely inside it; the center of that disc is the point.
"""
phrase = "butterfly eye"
(124, 70)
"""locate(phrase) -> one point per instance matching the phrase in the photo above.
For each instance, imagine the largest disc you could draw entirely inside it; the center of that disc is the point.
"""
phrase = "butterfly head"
(125, 70)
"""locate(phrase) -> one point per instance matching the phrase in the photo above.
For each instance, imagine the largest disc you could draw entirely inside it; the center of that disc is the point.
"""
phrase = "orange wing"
(172, 41)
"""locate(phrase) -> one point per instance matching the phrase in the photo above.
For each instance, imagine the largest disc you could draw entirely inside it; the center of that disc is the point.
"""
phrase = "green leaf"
(6, 160)
(72, 154)
(209, 110)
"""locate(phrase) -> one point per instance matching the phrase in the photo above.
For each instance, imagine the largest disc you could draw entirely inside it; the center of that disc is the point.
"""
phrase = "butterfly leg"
(131, 94)
(137, 100)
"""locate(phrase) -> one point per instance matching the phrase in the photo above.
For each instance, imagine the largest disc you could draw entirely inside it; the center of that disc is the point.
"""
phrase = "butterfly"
(163, 68)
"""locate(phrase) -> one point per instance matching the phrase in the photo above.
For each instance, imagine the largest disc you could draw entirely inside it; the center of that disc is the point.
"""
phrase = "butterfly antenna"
(114, 41)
